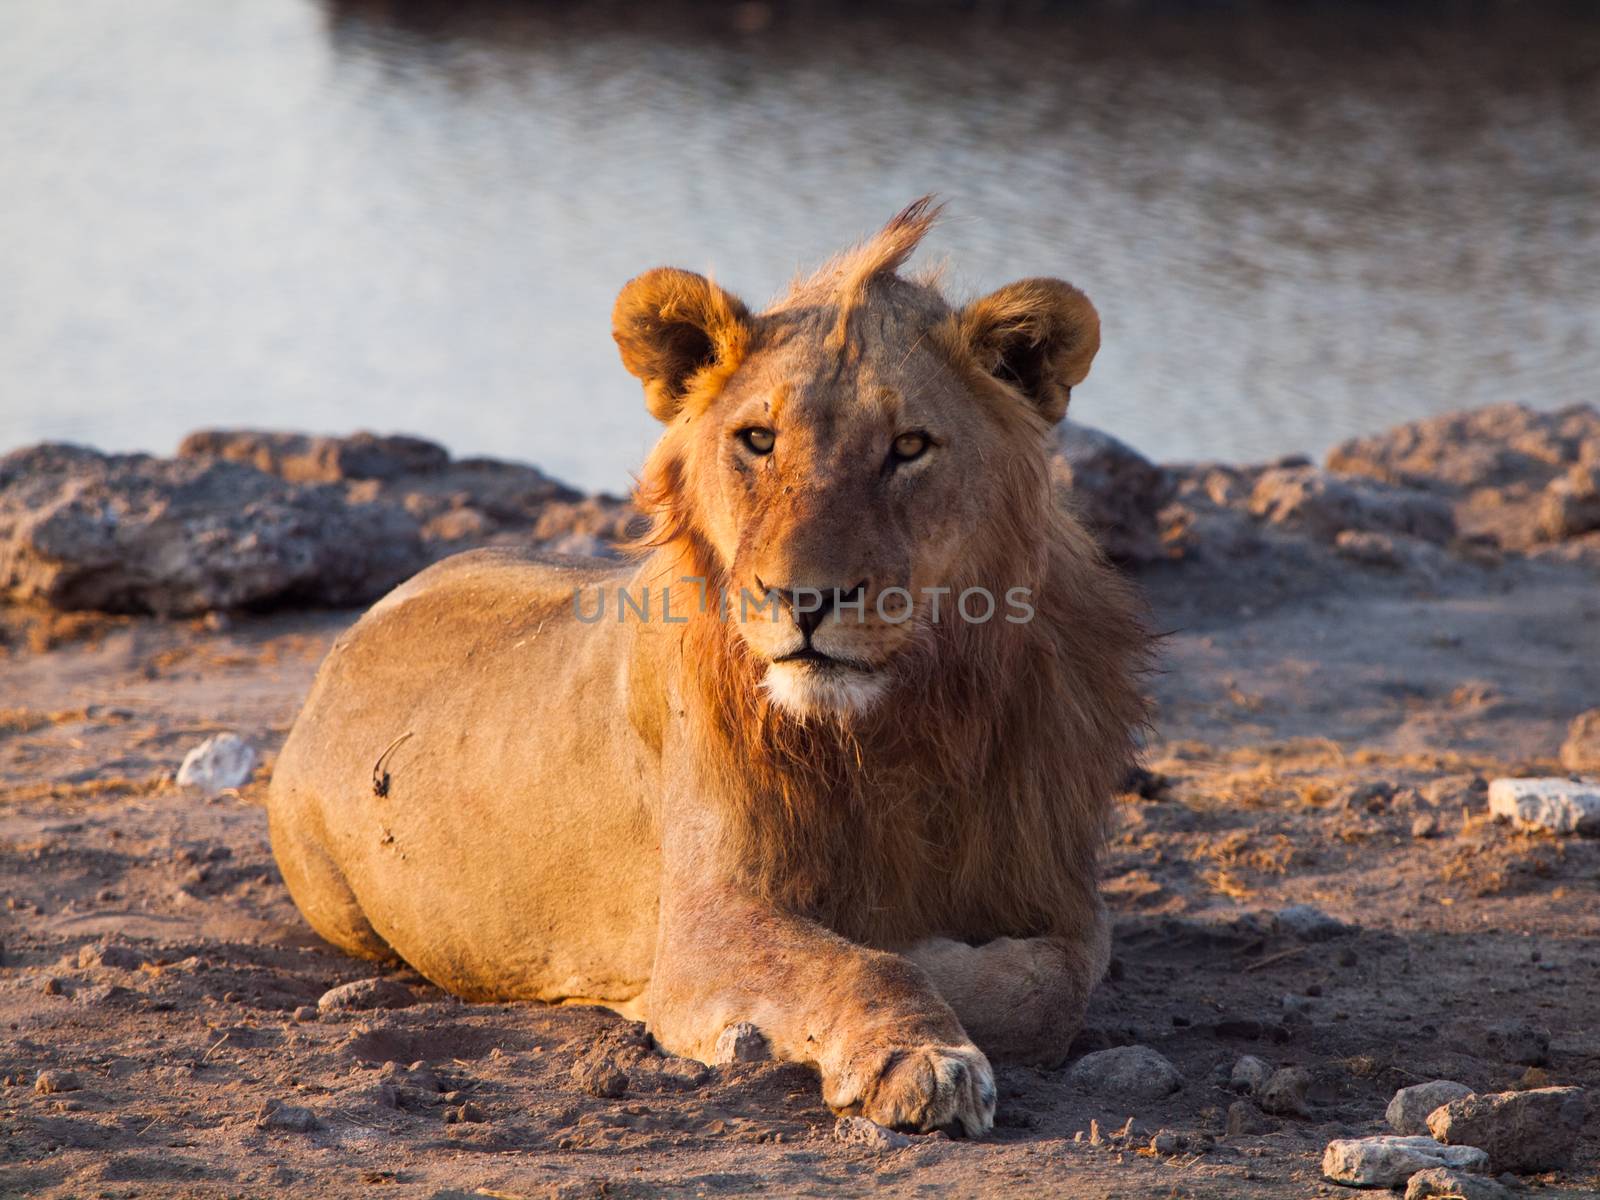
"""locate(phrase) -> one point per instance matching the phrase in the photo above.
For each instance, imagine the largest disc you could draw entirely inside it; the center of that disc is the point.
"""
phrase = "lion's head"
(861, 467)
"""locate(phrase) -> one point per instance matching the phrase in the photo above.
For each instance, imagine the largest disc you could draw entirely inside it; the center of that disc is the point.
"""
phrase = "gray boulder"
(131, 533)
(1388, 1160)
(1114, 489)
(1522, 1132)
(1408, 1111)
(1321, 506)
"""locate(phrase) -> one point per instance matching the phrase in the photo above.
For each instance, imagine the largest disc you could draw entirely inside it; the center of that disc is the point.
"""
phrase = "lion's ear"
(1037, 335)
(671, 324)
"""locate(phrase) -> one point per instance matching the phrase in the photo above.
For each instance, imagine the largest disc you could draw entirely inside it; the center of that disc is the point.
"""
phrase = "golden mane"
(974, 802)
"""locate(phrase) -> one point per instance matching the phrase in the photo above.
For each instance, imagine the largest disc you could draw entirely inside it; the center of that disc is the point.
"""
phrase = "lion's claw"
(923, 1088)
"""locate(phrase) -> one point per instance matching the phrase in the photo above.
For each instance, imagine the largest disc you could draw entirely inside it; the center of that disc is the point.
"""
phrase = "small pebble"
(1250, 1074)
(1285, 1092)
(858, 1131)
(365, 994)
(274, 1114)
(305, 1013)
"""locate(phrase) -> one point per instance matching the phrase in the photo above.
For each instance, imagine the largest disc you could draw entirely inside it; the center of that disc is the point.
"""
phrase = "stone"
(1570, 505)
(1285, 1092)
(1448, 1184)
(1310, 924)
(54, 1080)
(1425, 825)
(222, 761)
(1322, 506)
(741, 1042)
(1129, 1073)
(1408, 1111)
(275, 1114)
(183, 537)
(858, 1131)
(1249, 1074)
(1580, 753)
(365, 994)
(1113, 489)
(1553, 805)
(305, 1014)
(1389, 1160)
(309, 459)
(1245, 1119)
(1522, 1132)
(599, 1077)
(468, 1113)
(109, 954)
(1485, 447)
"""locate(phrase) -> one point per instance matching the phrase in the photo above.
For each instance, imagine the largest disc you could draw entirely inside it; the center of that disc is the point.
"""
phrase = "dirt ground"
(1325, 745)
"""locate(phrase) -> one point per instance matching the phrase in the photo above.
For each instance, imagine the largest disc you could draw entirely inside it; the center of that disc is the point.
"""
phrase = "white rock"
(1557, 805)
(858, 1131)
(1126, 1073)
(218, 763)
(1408, 1111)
(1389, 1161)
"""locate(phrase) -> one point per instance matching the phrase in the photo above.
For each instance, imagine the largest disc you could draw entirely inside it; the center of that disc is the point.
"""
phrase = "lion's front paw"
(922, 1088)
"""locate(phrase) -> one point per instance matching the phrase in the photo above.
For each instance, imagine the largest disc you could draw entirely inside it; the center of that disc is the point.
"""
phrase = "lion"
(773, 782)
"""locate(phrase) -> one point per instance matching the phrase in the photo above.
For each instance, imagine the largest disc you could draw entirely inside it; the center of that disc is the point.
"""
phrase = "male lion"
(874, 836)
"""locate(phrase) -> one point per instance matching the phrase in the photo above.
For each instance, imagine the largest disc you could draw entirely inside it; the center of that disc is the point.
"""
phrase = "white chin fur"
(806, 692)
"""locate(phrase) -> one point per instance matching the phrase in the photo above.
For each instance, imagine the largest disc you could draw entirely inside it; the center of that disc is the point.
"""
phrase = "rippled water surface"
(1299, 222)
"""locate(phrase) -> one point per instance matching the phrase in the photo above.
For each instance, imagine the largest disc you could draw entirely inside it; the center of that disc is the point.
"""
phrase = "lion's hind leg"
(320, 890)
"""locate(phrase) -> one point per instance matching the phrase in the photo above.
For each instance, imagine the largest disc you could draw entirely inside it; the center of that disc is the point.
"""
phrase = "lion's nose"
(810, 606)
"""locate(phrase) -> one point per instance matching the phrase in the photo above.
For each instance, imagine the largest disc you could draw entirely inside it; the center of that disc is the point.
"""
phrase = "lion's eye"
(758, 440)
(909, 446)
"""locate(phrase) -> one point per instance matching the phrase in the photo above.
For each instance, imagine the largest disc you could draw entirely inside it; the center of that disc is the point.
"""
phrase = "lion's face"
(845, 455)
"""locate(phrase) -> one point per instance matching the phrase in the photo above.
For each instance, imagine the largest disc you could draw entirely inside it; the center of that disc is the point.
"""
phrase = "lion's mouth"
(812, 657)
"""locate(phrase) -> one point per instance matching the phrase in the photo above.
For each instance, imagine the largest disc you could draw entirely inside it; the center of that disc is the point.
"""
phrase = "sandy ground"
(1299, 740)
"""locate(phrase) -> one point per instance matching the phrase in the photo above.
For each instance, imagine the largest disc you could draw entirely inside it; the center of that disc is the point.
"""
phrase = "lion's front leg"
(1021, 999)
(888, 1047)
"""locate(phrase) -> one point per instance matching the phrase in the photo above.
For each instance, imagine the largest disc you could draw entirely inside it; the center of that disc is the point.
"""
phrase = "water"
(1299, 222)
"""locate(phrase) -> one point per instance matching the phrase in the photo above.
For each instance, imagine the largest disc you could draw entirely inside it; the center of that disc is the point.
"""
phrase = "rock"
(1310, 924)
(1553, 804)
(131, 533)
(1494, 446)
(1389, 551)
(1580, 753)
(305, 1014)
(1515, 1042)
(1570, 505)
(1425, 825)
(1285, 1092)
(1522, 1132)
(365, 994)
(683, 1074)
(305, 459)
(1130, 1073)
(222, 761)
(464, 1113)
(109, 954)
(53, 1080)
(1249, 1074)
(599, 1077)
(1245, 1119)
(1115, 490)
(1321, 506)
(858, 1131)
(1408, 1111)
(1390, 1160)
(275, 1114)
(1448, 1184)
(741, 1042)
